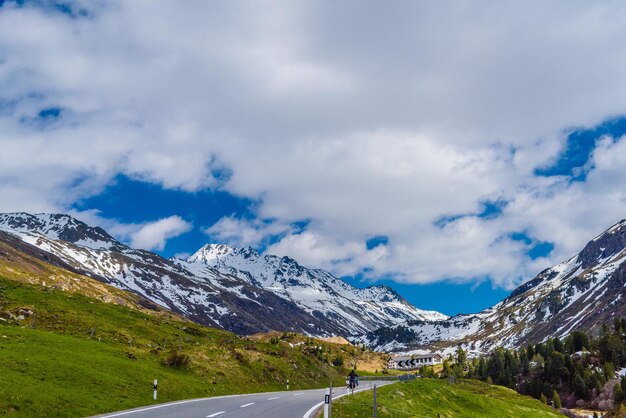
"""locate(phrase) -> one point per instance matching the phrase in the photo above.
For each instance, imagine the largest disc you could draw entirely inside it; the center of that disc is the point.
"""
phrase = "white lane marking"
(246, 404)
(298, 394)
(215, 414)
(275, 397)
(165, 405)
(134, 411)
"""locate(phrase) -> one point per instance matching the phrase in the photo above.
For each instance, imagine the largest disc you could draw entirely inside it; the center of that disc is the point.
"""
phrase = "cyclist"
(353, 379)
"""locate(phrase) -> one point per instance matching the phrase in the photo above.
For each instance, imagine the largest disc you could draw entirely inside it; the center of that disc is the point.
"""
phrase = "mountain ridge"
(278, 272)
(230, 298)
(243, 291)
(582, 292)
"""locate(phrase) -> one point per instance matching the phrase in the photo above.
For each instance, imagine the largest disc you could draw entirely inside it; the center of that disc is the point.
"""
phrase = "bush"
(177, 360)
(428, 372)
(338, 361)
(241, 357)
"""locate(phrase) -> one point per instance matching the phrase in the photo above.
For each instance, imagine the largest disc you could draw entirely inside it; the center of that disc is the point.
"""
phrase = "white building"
(414, 362)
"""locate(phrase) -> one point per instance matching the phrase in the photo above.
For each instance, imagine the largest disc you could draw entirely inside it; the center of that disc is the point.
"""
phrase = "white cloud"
(153, 235)
(244, 232)
(343, 258)
(379, 126)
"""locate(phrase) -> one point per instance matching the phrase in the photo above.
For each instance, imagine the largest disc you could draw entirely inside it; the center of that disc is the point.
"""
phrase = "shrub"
(338, 361)
(241, 357)
(428, 372)
(177, 360)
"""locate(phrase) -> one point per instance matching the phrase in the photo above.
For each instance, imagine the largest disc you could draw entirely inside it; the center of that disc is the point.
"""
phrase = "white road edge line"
(215, 414)
(275, 397)
(134, 411)
(316, 406)
(246, 404)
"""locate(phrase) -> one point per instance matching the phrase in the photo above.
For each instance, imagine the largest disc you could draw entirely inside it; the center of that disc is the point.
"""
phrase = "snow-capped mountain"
(581, 293)
(57, 227)
(316, 291)
(238, 290)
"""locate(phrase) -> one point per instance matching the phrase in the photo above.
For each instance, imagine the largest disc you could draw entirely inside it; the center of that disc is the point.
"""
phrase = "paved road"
(291, 404)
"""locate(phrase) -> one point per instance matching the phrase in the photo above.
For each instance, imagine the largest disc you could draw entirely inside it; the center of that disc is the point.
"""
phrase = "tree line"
(577, 371)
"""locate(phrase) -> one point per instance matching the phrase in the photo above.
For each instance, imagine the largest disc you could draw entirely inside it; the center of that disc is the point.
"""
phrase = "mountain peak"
(57, 226)
(606, 245)
(211, 253)
(384, 291)
(314, 289)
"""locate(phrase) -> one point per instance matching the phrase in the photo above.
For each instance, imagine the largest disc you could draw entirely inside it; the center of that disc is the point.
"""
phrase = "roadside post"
(375, 408)
(287, 384)
(330, 401)
(155, 389)
(327, 397)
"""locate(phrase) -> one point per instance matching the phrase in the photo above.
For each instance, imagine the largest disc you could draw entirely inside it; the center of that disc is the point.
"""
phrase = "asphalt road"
(291, 404)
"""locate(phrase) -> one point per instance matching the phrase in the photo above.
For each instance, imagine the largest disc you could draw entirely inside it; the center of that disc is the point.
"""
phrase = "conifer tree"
(461, 357)
(556, 399)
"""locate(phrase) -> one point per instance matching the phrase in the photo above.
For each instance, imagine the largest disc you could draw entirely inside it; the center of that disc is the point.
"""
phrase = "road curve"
(290, 404)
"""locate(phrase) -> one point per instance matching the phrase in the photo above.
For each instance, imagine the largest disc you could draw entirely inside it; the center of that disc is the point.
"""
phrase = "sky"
(449, 149)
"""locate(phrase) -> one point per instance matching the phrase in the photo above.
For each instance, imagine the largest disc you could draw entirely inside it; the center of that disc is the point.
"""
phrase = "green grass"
(82, 357)
(44, 374)
(430, 398)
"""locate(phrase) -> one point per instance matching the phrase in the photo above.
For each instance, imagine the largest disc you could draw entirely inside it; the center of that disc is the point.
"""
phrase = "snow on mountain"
(235, 289)
(581, 293)
(57, 227)
(315, 291)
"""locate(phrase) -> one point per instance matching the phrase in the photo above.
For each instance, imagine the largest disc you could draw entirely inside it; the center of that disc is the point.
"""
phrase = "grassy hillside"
(367, 362)
(432, 397)
(63, 353)
(22, 267)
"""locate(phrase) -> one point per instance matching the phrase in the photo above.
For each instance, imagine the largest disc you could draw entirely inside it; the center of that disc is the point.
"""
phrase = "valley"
(80, 310)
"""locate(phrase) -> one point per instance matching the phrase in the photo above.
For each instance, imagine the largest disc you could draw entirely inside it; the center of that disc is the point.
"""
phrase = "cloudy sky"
(453, 149)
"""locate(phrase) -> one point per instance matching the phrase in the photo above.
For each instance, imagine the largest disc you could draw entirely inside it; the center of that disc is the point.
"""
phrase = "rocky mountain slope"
(315, 291)
(581, 293)
(234, 289)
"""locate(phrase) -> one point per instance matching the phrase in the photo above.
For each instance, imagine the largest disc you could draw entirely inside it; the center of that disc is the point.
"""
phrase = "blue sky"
(132, 201)
(414, 144)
